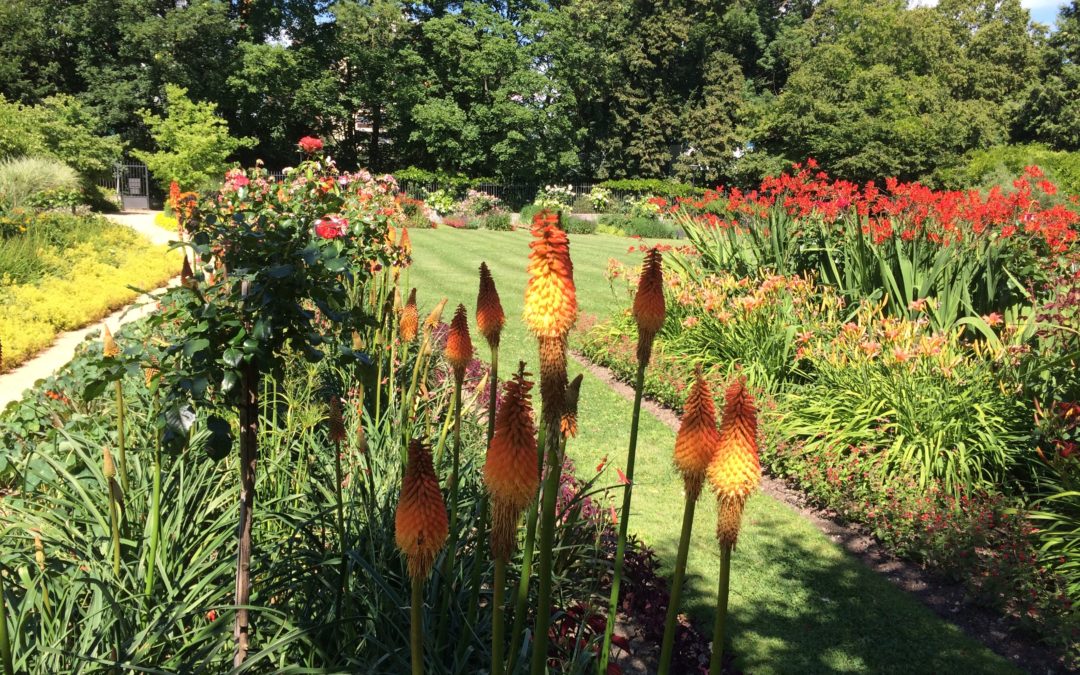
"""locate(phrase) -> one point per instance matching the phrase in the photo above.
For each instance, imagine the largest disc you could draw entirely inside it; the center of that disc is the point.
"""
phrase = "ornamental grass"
(734, 474)
(649, 312)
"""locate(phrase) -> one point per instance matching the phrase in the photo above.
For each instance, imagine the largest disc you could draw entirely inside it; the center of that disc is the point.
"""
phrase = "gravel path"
(15, 383)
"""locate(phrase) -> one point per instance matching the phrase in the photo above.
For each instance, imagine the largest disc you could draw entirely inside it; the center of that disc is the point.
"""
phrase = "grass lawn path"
(799, 603)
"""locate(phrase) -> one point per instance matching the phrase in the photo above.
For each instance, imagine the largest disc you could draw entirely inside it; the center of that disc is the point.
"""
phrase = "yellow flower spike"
(735, 470)
(420, 524)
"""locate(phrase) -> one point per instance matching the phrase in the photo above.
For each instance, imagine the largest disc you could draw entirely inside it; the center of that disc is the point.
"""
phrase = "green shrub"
(23, 178)
(496, 220)
(998, 166)
(653, 186)
(419, 221)
(582, 204)
(530, 210)
(574, 225)
(649, 228)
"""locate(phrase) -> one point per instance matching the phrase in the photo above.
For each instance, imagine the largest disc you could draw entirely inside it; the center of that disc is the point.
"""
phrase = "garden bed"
(61, 272)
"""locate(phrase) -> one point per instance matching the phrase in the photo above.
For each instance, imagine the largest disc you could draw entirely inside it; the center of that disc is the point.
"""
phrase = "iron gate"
(134, 183)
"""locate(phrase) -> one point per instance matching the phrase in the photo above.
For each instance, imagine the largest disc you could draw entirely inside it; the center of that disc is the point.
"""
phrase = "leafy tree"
(193, 142)
(1051, 112)
(61, 128)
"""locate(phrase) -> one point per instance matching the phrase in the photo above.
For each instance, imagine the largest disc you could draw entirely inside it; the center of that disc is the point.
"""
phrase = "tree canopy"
(535, 90)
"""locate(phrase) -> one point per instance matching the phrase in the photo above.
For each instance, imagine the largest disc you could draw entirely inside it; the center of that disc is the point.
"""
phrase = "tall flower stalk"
(108, 470)
(550, 313)
(459, 351)
(420, 531)
(734, 473)
(649, 311)
(695, 446)
(490, 320)
(111, 350)
(512, 478)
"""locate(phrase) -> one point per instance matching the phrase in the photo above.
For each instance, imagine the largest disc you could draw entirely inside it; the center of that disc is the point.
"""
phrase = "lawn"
(799, 603)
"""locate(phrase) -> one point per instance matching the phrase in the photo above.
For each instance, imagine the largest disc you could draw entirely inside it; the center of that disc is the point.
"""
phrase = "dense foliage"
(593, 89)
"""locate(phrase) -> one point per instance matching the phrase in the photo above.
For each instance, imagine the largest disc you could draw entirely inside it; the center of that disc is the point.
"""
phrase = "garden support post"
(249, 429)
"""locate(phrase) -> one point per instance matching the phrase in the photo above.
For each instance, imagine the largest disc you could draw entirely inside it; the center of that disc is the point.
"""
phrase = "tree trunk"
(249, 429)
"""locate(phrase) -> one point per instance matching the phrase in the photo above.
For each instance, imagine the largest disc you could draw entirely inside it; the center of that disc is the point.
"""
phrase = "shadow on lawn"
(822, 613)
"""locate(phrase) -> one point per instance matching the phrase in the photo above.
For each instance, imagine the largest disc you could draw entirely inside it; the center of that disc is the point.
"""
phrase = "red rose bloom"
(331, 227)
(310, 144)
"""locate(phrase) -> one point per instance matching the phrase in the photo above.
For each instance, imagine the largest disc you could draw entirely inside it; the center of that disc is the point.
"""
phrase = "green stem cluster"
(5, 641)
(547, 543)
(451, 544)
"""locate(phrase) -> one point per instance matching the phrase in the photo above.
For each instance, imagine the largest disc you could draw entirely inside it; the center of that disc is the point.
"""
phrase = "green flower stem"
(5, 642)
(624, 522)
(451, 544)
(478, 554)
(416, 627)
(517, 633)
(121, 441)
(155, 504)
(716, 664)
(547, 542)
(668, 643)
(498, 618)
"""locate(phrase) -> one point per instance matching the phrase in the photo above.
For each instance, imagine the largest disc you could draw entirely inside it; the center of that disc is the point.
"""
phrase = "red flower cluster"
(906, 210)
(331, 227)
(310, 144)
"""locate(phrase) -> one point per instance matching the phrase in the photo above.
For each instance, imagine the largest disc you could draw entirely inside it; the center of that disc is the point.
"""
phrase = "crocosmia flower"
(310, 144)
(331, 227)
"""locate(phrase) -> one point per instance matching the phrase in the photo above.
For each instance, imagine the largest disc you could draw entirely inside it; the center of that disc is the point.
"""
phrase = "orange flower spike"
(109, 347)
(510, 470)
(735, 470)
(490, 318)
(649, 309)
(550, 296)
(698, 439)
(336, 421)
(405, 243)
(410, 320)
(459, 349)
(420, 524)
